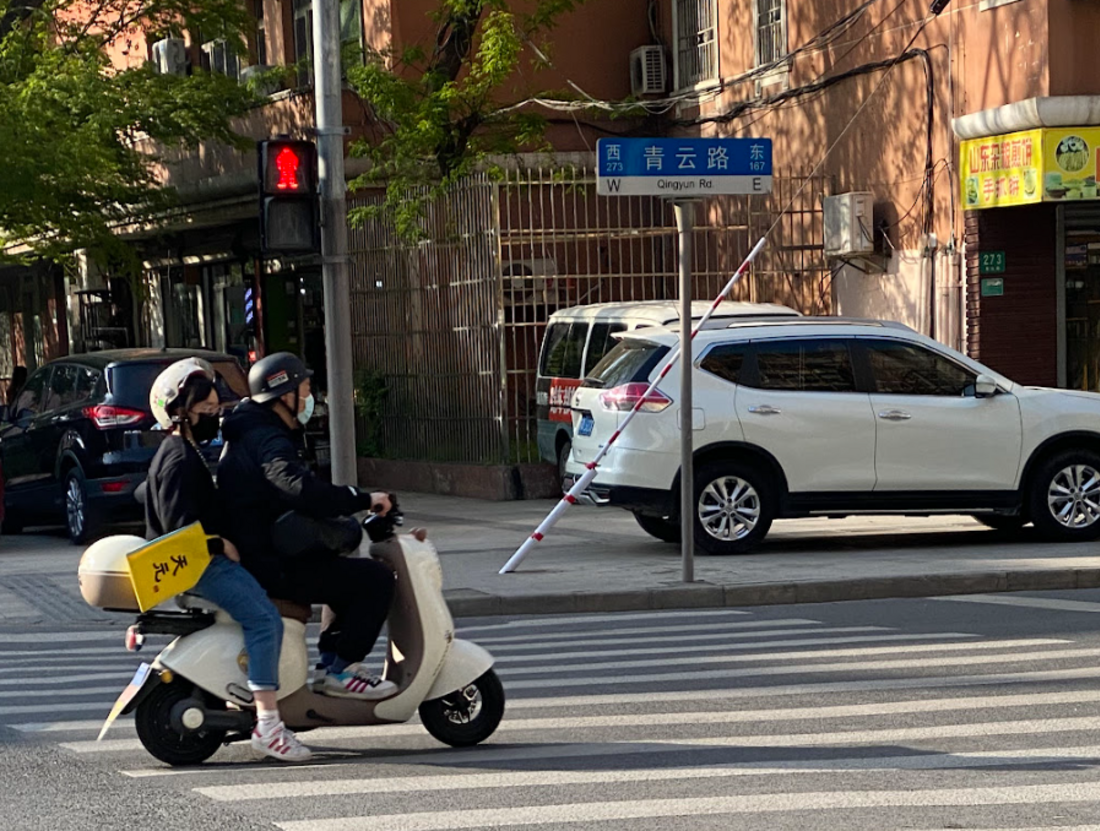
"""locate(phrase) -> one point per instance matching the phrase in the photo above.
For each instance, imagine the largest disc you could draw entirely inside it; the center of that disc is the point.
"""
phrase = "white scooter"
(194, 697)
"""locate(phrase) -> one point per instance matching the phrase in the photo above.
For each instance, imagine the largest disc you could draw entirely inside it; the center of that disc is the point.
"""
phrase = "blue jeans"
(236, 591)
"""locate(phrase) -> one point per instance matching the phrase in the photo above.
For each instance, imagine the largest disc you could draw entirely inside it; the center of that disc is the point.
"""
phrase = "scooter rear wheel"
(153, 720)
(468, 716)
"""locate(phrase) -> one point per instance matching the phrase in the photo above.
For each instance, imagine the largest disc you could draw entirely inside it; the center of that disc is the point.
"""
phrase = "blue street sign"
(683, 167)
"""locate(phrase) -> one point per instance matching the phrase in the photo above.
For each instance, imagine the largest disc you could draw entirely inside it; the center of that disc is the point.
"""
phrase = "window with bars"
(351, 35)
(696, 42)
(261, 33)
(218, 57)
(771, 31)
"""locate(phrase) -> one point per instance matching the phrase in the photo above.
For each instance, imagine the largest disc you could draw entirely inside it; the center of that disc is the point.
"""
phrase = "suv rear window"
(130, 383)
(631, 360)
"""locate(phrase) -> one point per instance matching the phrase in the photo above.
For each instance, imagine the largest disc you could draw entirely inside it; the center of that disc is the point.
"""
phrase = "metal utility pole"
(328, 88)
(685, 218)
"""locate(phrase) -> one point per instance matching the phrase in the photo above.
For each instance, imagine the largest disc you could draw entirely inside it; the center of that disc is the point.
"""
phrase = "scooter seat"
(301, 612)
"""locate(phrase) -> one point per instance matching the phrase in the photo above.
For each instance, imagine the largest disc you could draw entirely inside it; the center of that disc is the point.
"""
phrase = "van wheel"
(564, 452)
(734, 507)
(80, 517)
(662, 529)
(1065, 497)
(12, 524)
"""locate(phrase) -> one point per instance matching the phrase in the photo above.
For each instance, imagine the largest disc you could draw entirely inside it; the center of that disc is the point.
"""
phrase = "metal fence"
(447, 331)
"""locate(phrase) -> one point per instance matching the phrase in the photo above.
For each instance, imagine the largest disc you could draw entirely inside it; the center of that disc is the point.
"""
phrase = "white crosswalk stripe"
(638, 721)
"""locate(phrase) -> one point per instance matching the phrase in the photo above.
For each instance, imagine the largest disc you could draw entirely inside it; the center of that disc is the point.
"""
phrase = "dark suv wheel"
(735, 504)
(655, 526)
(80, 517)
(1064, 501)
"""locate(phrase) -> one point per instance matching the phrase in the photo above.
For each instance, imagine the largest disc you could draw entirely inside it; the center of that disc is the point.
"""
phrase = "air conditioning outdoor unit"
(849, 224)
(170, 56)
(647, 71)
(533, 279)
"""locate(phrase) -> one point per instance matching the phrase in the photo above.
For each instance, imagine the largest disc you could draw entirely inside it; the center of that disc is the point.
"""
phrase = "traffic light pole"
(328, 87)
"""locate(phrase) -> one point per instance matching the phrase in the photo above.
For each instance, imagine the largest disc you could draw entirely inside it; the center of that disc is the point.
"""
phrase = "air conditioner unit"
(269, 86)
(530, 280)
(170, 56)
(849, 224)
(647, 71)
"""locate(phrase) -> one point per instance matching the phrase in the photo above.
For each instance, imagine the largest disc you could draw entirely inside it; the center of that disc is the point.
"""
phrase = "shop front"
(1033, 254)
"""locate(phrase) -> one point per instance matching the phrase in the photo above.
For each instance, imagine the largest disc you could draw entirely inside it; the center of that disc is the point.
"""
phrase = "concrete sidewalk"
(600, 560)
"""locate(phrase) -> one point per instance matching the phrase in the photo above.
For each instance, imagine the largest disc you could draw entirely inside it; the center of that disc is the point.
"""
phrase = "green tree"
(442, 112)
(72, 167)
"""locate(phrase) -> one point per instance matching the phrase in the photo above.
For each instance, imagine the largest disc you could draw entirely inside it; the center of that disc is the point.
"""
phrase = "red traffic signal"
(288, 167)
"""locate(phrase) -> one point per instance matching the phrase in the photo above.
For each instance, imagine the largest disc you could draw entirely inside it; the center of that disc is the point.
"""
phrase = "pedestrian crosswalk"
(717, 719)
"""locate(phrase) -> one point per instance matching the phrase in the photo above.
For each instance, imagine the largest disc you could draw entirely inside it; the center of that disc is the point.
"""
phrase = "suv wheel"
(12, 524)
(79, 516)
(1004, 523)
(1065, 497)
(656, 526)
(734, 507)
(564, 452)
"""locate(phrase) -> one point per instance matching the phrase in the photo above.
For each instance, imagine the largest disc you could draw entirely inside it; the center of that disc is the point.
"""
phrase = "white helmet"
(166, 388)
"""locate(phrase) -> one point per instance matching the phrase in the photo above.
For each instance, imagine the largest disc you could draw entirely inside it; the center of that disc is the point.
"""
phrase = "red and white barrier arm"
(590, 469)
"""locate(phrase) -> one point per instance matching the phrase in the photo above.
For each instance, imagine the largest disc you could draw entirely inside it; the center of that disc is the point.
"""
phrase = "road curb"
(703, 595)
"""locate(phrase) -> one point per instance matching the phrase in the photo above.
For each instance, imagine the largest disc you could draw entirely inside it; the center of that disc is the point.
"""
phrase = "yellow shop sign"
(1048, 165)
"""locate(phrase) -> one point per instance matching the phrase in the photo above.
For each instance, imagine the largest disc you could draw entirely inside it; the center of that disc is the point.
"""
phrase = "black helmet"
(276, 375)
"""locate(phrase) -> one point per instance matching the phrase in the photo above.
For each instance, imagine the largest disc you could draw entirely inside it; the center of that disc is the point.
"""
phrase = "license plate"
(586, 425)
(128, 694)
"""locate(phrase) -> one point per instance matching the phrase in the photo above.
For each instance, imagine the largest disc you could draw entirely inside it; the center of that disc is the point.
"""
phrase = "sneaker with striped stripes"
(357, 682)
(280, 744)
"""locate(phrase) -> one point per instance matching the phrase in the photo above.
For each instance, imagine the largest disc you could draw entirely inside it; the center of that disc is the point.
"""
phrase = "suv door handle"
(895, 415)
(764, 409)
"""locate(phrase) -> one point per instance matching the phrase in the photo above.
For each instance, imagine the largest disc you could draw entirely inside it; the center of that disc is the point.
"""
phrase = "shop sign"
(992, 262)
(993, 286)
(1048, 165)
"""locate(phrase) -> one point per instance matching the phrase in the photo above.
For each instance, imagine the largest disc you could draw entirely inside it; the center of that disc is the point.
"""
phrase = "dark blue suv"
(79, 437)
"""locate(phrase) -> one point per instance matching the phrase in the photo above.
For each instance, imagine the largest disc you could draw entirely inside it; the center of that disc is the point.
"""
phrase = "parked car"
(79, 437)
(832, 417)
(577, 339)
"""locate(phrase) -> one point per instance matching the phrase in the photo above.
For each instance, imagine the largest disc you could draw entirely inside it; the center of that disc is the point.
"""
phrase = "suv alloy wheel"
(1065, 496)
(734, 507)
(80, 518)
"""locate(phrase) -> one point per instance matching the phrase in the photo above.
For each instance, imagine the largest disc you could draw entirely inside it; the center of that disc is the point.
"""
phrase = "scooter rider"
(179, 491)
(261, 476)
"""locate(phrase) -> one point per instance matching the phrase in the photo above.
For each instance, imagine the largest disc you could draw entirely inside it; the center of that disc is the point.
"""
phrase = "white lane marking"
(1074, 793)
(64, 637)
(797, 669)
(857, 652)
(61, 678)
(643, 633)
(123, 666)
(1024, 602)
(524, 779)
(78, 692)
(609, 618)
(83, 726)
(731, 647)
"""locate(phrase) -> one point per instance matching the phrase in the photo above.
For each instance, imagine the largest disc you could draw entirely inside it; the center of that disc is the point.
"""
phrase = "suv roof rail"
(822, 320)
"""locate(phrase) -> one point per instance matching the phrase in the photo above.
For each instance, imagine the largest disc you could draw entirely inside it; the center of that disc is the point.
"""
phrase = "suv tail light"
(626, 397)
(104, 416)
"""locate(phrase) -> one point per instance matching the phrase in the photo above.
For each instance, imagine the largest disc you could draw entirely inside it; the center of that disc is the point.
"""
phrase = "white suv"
(831, 417)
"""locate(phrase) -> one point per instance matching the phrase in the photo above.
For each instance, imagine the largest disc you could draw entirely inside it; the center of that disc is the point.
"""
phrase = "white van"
(577, 338)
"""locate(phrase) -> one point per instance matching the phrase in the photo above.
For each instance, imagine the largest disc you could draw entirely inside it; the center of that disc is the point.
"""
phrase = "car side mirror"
(984, 386)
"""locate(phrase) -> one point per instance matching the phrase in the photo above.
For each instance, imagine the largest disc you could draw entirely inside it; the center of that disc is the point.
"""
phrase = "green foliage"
(77, 132)
(444, 112)
(370, 397)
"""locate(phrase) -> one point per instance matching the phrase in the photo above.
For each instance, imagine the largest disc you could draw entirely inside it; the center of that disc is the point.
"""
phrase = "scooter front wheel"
(468, 716)
(155, 720)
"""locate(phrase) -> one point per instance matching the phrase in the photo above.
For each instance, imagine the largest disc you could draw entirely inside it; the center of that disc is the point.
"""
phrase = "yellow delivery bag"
(169, 565)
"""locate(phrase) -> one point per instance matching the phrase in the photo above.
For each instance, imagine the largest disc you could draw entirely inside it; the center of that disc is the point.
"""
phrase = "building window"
(261, 34)
(218, 57)
(696, 38)
(351, 30)
(771, 31)
(303, 40)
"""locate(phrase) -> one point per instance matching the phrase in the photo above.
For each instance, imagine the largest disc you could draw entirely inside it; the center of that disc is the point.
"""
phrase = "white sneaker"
(357, 682)
(281, 744)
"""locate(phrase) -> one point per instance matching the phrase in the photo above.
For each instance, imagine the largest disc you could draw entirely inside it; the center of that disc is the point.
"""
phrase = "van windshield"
(631, 360)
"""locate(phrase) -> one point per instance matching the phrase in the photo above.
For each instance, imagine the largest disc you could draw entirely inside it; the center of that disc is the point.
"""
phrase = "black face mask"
(205, 429)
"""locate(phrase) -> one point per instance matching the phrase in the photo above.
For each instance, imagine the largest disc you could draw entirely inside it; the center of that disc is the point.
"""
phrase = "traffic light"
(288, 196)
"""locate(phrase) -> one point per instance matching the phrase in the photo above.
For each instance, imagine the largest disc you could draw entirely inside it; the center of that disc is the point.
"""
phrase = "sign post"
(685, 171)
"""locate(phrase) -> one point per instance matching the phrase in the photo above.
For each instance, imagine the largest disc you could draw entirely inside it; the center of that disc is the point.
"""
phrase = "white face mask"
(307, 413)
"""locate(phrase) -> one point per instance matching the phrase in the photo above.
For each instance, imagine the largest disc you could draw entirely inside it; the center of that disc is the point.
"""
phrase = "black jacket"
(261, 476)
(179, 491)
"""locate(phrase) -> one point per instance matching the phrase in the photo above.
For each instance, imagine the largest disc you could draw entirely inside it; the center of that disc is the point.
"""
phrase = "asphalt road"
(968, 712)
